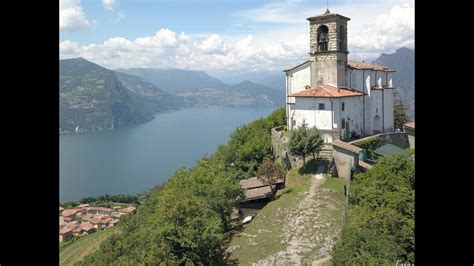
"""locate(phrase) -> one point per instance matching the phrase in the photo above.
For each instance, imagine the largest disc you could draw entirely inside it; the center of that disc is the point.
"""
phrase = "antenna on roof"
(327, 8)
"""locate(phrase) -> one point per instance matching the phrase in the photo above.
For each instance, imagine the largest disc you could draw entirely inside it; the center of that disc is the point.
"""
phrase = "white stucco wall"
(296, 80)
(352, 114)
(306, 109)
(388, 110)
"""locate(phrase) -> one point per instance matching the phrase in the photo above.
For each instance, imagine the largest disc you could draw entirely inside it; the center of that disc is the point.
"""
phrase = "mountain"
(403, 61)
(243, 94)
(149, 96)
(175, 80)
(94, 98)
(202, 90)
(272, 79)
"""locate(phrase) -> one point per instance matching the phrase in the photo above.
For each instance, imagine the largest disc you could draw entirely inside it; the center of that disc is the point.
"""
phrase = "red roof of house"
(72, 224)
(65, 230)
(327, 91)
(69, 212)
(410, 125)
(86, 226)
(367, 66)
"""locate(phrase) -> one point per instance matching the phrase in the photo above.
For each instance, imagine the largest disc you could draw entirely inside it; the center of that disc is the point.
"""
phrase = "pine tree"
(399, 112)
(314, 142)
(297, 142)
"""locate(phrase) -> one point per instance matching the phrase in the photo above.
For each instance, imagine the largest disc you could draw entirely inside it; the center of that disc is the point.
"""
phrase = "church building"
(341, 98)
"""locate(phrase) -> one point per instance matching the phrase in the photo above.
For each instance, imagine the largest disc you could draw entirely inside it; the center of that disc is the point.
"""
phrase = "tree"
(269, 173)
(314, 142)
(399, 112)
(305, 141)
(297, 142)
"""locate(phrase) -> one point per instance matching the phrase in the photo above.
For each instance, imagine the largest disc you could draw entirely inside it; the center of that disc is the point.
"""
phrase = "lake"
(135, 159)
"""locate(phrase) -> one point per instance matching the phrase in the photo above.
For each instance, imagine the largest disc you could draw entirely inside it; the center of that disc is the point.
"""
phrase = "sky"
(211, 35)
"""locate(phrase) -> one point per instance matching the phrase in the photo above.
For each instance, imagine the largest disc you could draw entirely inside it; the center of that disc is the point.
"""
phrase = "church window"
(342, 107)
(321, 106)
(323, 38)
(343, 123)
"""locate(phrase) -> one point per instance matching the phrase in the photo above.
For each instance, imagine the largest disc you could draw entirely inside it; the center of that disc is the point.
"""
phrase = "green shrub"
(380, 226)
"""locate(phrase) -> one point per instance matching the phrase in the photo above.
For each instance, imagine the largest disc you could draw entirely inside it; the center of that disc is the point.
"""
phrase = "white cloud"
(71, 16)
(213, 44)
(69, 49)
(384, 31)
(108, 4)
(163, 38)
(375, 27)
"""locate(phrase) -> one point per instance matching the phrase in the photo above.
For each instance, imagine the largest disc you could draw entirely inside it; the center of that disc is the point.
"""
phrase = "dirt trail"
(308, 232)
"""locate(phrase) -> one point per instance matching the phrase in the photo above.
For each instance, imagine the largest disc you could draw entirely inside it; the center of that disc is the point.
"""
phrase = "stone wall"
(397, 139)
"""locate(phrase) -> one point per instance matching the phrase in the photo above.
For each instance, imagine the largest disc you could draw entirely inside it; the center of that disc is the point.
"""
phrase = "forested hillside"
(186, 219)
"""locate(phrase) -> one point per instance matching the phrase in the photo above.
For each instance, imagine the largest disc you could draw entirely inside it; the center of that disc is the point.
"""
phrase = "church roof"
(291, 68)
(351, 65)
(327, 91)
(328, 15)
(367, 66)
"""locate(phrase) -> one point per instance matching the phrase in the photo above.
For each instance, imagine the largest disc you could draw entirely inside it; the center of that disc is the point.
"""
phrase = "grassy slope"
(264, 236)
(83, 246)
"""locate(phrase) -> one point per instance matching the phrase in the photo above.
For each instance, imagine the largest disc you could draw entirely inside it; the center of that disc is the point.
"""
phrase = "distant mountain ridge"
(94, 98)
(403, 61)
(202, 90)
(175, 80)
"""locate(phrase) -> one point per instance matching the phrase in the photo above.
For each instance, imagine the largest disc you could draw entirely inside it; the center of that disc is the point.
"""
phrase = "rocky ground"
(310, 228)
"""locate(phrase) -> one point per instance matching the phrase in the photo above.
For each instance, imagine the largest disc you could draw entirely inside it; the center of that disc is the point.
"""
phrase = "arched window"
(323, 38)
(341, 39)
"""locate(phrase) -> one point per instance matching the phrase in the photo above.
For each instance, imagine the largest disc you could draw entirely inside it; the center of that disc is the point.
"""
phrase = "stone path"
(308, 232)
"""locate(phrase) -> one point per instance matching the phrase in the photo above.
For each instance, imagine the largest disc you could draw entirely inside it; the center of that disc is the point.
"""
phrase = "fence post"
(346, 202)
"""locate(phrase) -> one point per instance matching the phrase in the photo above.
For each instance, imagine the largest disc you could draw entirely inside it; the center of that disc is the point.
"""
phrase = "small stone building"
(409, 129)
(346, 158)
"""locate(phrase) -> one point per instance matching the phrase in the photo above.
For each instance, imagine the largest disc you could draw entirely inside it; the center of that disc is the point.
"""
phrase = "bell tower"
(328, 49)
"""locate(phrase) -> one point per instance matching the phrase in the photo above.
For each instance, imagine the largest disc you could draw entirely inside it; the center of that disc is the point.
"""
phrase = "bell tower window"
(323, 38)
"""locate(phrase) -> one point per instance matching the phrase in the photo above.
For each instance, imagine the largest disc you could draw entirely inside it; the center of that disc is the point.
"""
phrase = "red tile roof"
(367, 66)
(86, 226)
(410, 125)
(69, 212)
(327, 91)
(65, 230)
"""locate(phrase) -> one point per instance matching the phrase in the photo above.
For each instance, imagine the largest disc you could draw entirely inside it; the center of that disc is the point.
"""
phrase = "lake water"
(135, 159)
